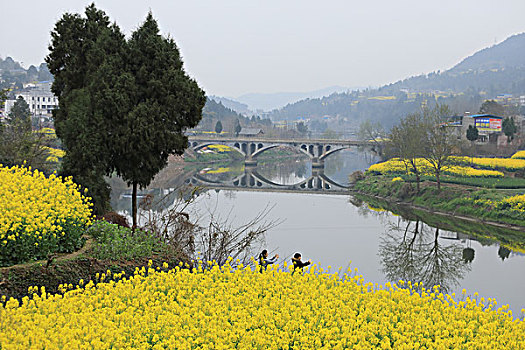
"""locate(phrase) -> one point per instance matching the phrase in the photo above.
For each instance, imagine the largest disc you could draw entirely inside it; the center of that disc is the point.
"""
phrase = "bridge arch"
(200, 146)
(331, 151)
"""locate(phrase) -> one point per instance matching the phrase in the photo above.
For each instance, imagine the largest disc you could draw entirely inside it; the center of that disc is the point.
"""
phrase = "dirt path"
(58, 257)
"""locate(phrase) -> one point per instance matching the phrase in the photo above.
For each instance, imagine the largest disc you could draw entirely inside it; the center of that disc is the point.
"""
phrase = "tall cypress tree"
(163, 102)
(123, 105)
(85, 57)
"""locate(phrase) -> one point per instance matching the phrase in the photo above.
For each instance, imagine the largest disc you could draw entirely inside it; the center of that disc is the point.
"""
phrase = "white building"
(40, 99)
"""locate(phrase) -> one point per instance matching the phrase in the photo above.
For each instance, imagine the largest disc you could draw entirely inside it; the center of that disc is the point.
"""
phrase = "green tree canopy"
(509, 128)
(218, 127)
(18, 143)
(81, 50)
(237, 128)
(472, 133)
(124, 104)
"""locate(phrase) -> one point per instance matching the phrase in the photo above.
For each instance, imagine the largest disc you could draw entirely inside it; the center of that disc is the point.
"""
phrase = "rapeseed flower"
(38, 214)
(226, 308)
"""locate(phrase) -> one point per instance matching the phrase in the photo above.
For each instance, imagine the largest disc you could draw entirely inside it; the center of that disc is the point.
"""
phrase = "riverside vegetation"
(486, 188)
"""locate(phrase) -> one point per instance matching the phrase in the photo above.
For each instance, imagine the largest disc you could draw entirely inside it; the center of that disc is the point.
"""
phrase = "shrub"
(39, 215)
(118, 242)
(356, 176)
(406, 191)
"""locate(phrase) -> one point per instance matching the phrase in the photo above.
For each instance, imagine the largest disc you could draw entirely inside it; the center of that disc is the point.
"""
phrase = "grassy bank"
(483, 233)
(454, 198)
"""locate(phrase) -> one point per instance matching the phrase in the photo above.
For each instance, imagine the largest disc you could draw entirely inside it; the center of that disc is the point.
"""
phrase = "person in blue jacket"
(264, 261)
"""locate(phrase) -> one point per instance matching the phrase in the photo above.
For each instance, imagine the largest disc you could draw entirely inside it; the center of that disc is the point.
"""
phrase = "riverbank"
(474, 204)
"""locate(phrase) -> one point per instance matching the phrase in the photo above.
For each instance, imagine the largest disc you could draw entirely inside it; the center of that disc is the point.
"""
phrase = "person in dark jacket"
(298, 264)
(264, 261)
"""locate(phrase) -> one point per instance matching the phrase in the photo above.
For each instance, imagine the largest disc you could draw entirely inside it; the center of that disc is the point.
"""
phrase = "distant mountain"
(270, 101)
(499, 69)
(233, 105)
(507, 54)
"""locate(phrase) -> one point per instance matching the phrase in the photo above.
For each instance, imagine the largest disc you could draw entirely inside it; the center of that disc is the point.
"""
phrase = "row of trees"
(123, 103)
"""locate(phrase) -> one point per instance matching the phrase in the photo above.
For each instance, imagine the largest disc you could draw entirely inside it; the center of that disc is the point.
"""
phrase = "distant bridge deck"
(280, 141)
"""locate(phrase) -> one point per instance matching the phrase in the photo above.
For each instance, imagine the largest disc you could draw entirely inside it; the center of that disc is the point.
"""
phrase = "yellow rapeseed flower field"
(38, 214)
(519, 155)
(225, 308)
(510, 164)
(396, 166)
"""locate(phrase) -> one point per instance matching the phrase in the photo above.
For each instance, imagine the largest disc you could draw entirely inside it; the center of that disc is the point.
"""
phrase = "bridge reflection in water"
(251, 179)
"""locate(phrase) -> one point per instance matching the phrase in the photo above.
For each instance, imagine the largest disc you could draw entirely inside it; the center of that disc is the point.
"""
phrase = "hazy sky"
(232, 47)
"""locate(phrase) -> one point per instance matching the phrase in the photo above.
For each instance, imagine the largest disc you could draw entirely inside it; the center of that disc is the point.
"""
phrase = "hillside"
(499, 69)
(214, 111)
(508, 54)
(236, 106)
(13, 75)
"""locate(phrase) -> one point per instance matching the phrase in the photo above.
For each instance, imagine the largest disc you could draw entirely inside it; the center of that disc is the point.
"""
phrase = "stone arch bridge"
(318, 150)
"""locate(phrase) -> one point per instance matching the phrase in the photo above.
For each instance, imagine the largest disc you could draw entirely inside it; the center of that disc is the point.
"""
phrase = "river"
(332, 228)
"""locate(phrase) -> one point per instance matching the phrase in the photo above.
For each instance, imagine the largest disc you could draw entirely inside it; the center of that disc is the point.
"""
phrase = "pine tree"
(123, 105)
(472, 133)
(218, 127)
(84, 59)
(162, 103)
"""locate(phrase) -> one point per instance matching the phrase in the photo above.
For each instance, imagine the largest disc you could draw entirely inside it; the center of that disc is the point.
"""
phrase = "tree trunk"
(438, 181)
(418, 179)
(134, 206)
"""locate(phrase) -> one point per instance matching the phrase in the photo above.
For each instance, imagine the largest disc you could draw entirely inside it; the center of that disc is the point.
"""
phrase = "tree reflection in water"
(412, 251)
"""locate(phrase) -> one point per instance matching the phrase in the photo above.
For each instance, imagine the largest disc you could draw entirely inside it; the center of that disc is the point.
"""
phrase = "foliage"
(439, 143)
(116, 242)
(472, 133)
(302, 128)
(509, 128)
(480, 204)
(183, 309)
(39, 215)
(356, 176)
(82, 52)
(218, 127)
(124, 104)
(237, 127)
(492, 107)
(18, 143)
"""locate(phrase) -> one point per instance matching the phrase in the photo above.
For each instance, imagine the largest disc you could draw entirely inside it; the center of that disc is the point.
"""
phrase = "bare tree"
(407, 143)
(439, 142)
(373, 133)
(221, 240)
(217, 240)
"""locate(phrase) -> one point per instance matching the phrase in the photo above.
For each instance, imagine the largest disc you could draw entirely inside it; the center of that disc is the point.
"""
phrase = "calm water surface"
(334, 229)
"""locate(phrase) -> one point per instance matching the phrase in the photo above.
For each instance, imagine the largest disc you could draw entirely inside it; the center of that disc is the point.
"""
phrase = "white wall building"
(40, 99)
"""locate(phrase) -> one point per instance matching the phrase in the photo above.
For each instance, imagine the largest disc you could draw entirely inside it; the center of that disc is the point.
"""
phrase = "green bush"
(117, 242)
